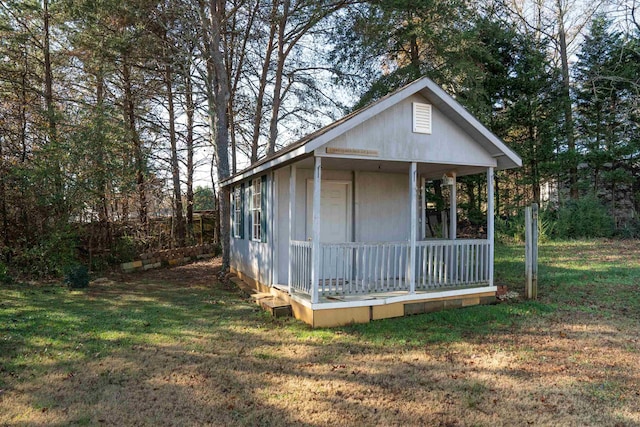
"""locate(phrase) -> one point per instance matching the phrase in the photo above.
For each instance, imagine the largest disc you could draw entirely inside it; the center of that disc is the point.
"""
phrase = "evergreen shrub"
(76, 276)
(5, 277)
(629, 230)
(124, 250)
(512, 229)
(49, 256)
(586, 217)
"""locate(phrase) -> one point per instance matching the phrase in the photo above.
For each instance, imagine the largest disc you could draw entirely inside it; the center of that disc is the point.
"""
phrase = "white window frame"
(237, 212)
(256, 209)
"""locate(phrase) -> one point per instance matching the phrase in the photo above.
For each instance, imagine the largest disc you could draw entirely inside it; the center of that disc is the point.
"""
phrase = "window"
(236, 212)
(256, 209)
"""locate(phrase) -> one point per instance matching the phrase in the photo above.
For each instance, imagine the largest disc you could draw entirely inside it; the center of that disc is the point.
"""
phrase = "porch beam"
(292, 218)
(413, 195)
(490, 221)
(315, 231)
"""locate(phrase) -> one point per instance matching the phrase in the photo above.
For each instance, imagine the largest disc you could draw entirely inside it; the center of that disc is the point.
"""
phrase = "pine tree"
(607, 105)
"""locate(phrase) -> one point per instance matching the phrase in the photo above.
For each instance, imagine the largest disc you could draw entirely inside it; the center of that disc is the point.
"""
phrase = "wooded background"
(107, 107)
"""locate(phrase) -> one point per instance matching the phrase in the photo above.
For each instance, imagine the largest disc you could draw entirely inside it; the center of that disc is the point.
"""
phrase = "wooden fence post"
(534, 251)
(528, 268)
(531, 251)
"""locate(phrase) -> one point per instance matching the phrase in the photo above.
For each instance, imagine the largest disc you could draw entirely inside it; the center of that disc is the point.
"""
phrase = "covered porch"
(324, 270)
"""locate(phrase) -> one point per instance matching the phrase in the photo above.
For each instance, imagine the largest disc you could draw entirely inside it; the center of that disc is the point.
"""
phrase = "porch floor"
(382, 295)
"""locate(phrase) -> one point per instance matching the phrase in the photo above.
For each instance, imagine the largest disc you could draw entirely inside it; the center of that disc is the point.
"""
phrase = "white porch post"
(423, 208)
(453, 229)
(490, 222)
(272, 237)
(413, 195)
(453, 209)
(292, 216)
(315, 231)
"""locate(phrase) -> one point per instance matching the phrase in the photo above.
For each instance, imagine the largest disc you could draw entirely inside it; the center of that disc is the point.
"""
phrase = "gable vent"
(421, 118)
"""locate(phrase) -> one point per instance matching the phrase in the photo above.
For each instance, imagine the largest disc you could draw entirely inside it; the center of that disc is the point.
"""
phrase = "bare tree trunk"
(257, 120)
(566, 95)
(190, 110)
(23, 110)
(236, 56)
(23, 145)
(48, 76)
(130, 118)
(287, 40)
(216, 204)
(277, 86)
(175, 167)
(470, 187)
(212, 23)
(229, 44)
(437, 189)
(103, 207)
(3, 201)
(59, 208)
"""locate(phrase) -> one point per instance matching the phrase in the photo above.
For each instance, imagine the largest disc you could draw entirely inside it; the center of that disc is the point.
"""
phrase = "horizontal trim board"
(354, 151)
(319, 153)
(392, 300)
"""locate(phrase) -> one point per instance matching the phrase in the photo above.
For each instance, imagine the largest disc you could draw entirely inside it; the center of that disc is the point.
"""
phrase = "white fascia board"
(439, 93)
(265, 166)
(392, 300)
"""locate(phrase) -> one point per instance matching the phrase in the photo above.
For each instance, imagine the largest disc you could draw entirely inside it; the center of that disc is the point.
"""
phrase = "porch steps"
(275, 306)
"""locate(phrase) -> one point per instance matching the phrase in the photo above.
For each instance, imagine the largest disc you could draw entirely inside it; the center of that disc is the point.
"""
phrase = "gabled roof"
(505, 157)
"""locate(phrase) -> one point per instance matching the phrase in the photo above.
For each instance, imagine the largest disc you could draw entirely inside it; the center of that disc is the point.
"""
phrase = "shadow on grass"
(145, 352)
(449, 325)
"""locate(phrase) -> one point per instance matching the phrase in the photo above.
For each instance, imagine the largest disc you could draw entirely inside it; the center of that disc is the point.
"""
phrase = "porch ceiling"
(428, 170)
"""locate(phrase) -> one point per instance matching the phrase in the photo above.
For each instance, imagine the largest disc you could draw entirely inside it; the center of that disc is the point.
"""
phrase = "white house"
(332, 224)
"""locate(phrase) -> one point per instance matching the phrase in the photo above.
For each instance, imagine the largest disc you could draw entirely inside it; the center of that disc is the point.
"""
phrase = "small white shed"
(334, 223)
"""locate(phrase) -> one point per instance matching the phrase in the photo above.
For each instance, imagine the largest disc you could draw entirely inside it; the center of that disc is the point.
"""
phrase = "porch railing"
(448, 263)
(300, 260)
(363, 267)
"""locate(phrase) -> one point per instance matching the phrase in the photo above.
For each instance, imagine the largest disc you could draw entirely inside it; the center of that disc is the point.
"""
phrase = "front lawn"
(175, 347)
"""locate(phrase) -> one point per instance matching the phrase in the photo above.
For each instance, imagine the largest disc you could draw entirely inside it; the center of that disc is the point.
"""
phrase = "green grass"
(572, 276)
(43, 326)
(592, 276)
(60, 326)
(144, 325)
(446, 326)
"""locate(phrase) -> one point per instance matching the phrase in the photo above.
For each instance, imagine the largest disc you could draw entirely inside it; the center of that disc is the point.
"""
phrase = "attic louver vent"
(421, 118)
